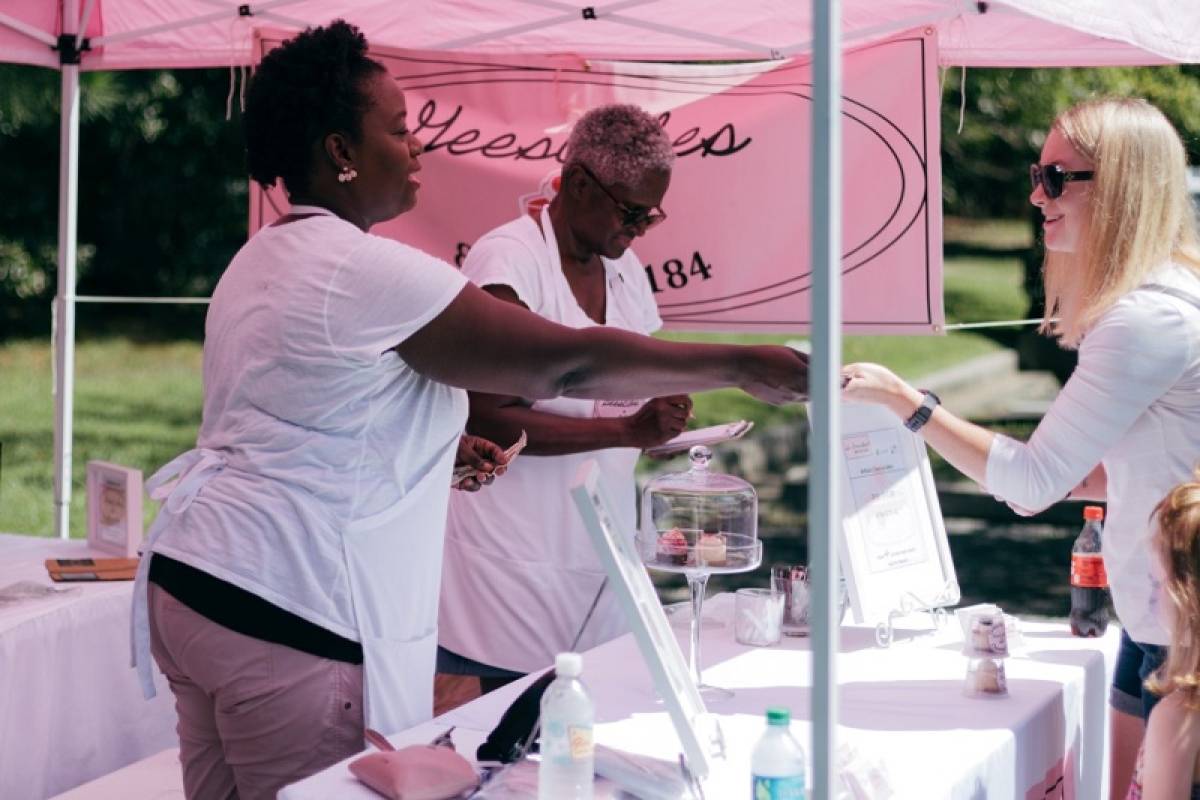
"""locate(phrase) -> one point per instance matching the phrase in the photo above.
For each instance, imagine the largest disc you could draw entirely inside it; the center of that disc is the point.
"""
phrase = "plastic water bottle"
(566, 771)
(1089, 581)
(778, 765)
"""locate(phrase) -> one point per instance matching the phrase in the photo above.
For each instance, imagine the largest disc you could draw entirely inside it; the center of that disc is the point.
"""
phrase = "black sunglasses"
(631, 216)
(1053, 178)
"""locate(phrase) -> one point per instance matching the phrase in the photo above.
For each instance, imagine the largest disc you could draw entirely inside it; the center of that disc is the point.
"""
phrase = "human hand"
(874, 383)
(775, 374)
(484, 458)
(658, 420)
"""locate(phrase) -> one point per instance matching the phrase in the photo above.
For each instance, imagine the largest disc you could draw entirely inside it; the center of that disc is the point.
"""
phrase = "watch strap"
(924, 411)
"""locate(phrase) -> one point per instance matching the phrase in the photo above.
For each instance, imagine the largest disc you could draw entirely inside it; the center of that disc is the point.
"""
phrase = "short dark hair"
(309, 87)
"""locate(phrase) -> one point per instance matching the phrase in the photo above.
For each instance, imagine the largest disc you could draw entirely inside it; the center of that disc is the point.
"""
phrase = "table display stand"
(749, 557)
(910, 603)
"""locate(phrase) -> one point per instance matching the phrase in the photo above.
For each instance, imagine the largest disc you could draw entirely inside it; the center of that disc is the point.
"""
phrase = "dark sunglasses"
(631, 216)
(1053, 178)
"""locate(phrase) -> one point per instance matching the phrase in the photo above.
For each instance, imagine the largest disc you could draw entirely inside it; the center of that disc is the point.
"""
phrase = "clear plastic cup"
(758, 616)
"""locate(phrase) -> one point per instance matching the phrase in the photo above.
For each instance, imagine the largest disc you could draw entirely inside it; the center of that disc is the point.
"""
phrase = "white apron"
(394, 562)
(395, 567)
(520, 573)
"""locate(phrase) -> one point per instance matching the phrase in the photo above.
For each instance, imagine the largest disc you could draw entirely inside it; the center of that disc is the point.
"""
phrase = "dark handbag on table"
(515, 734)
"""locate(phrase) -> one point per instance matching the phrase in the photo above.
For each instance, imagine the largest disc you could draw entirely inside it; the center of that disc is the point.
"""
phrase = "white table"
(902, 712)
(71, 708)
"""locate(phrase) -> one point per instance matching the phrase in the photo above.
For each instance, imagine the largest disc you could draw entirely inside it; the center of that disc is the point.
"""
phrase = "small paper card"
(706, 436)
(114, 508)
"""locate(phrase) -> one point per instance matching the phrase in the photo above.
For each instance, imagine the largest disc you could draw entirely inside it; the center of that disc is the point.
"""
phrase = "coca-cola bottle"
(1089, 581)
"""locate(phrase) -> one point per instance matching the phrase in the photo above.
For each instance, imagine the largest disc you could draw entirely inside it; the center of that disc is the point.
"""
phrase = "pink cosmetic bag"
(420, 772)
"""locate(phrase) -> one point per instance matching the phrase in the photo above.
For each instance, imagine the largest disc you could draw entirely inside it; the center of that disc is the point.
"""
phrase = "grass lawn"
(135, 404)
(138, 404)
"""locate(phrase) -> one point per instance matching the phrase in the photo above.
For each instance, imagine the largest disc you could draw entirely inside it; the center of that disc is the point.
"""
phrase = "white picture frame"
(893, 549)
(698, 732)
(114, 508)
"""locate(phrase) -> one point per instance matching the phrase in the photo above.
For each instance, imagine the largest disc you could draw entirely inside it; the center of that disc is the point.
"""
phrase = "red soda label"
(1087, 571)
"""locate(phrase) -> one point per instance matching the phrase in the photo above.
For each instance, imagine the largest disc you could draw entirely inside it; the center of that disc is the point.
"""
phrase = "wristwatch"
(923, 412)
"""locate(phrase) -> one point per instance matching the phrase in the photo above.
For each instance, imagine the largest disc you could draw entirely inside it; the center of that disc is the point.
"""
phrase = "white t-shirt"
(520, 572)
(1132, 403)
(322, 428)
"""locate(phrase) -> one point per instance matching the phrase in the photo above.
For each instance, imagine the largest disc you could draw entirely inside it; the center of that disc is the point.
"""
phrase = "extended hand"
(659, 420)
(775, 374)
(874, 383)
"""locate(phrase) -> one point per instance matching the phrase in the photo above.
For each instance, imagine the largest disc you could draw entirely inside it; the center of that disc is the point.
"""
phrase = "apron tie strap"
(176, 484)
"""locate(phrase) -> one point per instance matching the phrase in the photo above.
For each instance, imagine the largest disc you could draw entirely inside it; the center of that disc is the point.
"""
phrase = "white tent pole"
(64, 300)
(824, 517)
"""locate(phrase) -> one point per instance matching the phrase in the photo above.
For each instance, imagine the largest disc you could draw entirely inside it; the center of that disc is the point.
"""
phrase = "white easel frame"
(628, 578)
(928, 585)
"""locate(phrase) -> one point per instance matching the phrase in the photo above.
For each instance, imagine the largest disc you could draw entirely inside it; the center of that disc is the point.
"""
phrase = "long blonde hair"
(1177, 541)
(1139, 214)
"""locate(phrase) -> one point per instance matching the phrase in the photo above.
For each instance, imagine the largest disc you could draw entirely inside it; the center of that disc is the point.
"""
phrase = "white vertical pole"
(64, 300)
(824, 518)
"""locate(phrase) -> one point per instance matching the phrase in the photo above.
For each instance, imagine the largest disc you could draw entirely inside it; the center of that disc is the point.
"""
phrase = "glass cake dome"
(699, 520)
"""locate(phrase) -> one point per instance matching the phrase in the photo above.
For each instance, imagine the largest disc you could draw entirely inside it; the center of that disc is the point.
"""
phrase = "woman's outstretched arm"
(487, 345)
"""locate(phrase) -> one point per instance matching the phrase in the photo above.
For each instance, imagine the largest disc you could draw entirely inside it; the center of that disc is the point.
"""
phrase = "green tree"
(162, 191)
(1007, 112)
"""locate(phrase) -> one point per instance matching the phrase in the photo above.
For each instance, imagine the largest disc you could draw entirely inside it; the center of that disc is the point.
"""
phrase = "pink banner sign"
(733, 254)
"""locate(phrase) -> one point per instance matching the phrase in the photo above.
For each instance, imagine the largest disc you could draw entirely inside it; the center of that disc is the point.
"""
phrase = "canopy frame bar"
(570, 14)
(872, 33)
(84, 21)
(253, 9)
(36, 34)
(609, 14)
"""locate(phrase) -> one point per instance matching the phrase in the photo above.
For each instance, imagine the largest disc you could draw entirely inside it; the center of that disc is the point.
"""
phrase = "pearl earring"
(347, 174)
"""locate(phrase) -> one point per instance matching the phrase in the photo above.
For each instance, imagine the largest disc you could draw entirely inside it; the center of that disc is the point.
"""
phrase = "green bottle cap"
(778, 716)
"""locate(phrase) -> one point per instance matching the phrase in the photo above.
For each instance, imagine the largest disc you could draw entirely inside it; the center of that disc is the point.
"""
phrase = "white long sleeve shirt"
(1133, 404)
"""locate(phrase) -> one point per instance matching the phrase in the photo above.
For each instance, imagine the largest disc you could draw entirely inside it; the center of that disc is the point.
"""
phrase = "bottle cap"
(568, 665)
(1093, 512)
(778, 716)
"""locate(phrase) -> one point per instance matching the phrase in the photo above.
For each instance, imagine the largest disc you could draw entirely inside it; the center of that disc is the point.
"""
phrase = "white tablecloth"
(70, 707)
(903, 712)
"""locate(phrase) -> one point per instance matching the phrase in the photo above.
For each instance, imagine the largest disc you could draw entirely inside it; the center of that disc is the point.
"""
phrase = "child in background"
(1169, 763)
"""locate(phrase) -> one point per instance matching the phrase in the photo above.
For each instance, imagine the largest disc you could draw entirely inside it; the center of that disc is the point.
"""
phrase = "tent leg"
(824, 521)
(64, 300)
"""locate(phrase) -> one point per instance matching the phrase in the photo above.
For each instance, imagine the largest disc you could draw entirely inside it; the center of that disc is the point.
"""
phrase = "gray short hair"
(620, 144)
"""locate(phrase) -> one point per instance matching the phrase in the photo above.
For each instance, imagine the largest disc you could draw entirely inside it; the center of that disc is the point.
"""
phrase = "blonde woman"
(1169, 764)
(1122, 276)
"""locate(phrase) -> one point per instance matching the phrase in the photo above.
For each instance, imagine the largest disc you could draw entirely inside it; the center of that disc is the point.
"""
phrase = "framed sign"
(698, 732)
(893, 548)
(114, 508)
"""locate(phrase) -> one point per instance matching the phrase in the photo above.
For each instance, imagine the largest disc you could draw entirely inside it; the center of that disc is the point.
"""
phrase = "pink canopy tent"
(130, 34)
(71, 35)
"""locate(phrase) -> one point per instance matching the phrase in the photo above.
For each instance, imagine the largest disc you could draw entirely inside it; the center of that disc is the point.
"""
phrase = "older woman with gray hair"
(519, 575)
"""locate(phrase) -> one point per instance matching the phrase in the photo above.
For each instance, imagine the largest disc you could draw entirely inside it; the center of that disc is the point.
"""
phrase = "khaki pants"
(253, 715)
